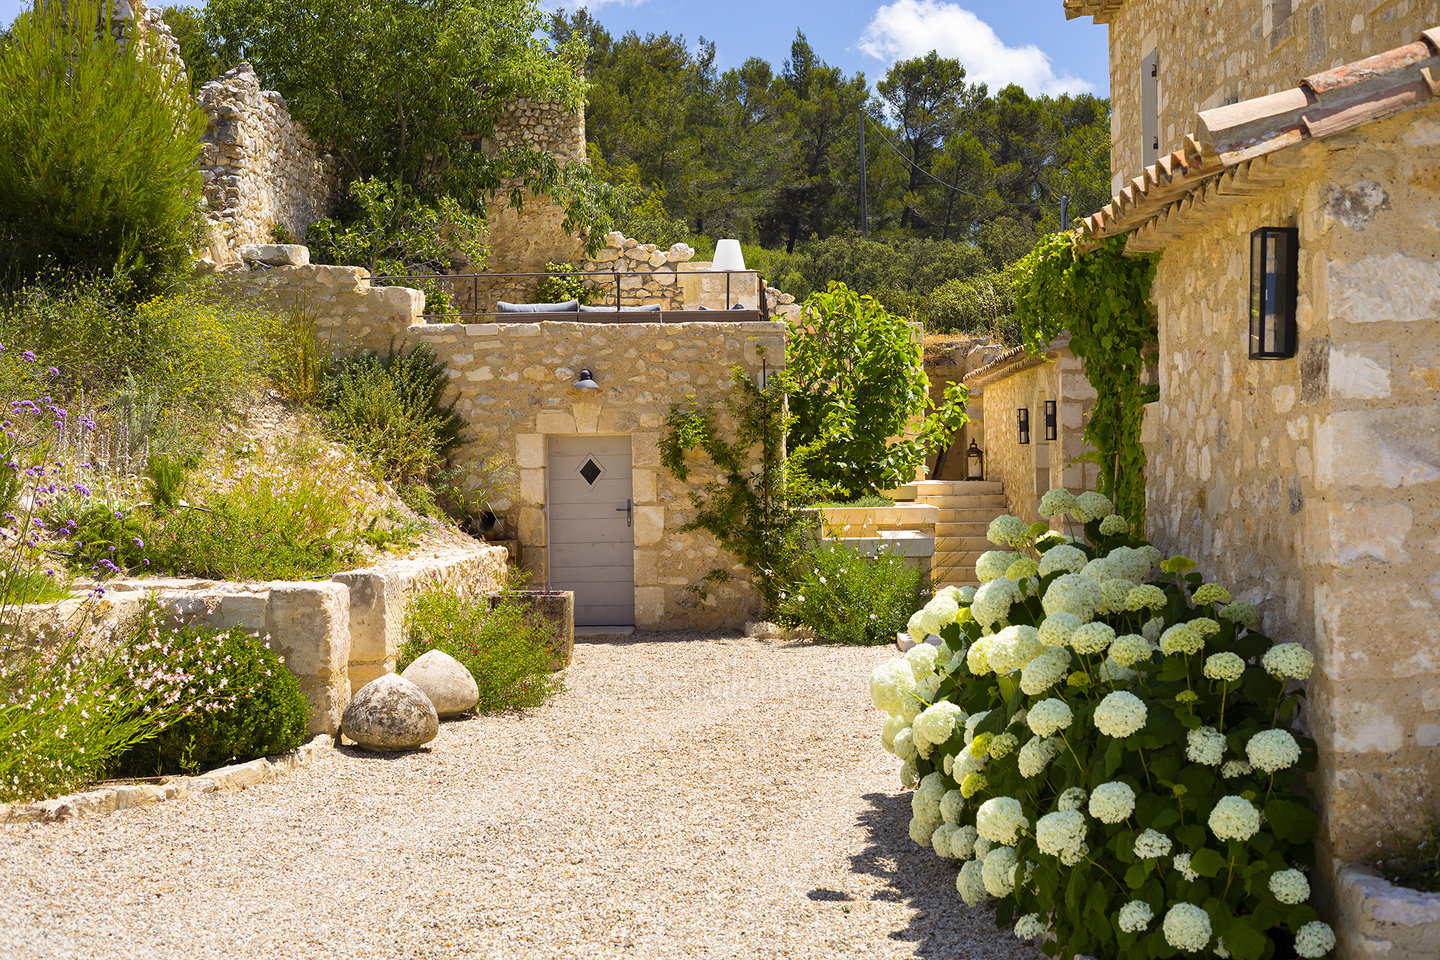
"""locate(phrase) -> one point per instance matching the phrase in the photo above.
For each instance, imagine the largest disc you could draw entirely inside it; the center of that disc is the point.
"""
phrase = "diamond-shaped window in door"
(591, 471)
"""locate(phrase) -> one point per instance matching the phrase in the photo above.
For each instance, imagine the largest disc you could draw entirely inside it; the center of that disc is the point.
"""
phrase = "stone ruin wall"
(261, 169)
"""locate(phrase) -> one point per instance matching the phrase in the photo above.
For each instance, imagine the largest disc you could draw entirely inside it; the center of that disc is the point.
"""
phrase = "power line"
(951, 186)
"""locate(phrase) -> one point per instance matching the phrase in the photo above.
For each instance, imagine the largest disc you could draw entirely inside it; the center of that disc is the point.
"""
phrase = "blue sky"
(1022, 41)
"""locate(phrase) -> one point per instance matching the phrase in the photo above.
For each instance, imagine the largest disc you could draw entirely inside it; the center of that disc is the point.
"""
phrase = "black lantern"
(1274, 269)
(1052, 420)
(1022, 420)
(974, 463)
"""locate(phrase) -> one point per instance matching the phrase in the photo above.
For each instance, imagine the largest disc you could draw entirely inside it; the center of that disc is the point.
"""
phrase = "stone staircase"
(966, 508)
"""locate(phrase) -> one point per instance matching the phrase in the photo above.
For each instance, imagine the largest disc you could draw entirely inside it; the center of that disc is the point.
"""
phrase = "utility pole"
(1064, 214)
(864, 199)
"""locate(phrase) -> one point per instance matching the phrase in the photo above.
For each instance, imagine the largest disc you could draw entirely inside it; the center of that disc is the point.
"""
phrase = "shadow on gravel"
(646, 637)
(360, 753)
(942, 926)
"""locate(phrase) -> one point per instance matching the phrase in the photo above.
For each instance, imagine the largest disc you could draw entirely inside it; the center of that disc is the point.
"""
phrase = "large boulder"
(275, 254)
(445, 681)
(390, 713)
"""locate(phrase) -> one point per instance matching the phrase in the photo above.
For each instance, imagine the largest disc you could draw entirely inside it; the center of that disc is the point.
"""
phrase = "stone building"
(1311, 480)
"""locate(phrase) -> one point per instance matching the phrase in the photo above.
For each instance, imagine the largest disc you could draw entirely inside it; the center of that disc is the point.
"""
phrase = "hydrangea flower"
(992, 564)
(909, 773)
(1272, 750)
(992, 601)
(1008, 531)
(937, 722)
(1130, 649)
(973, 721)
(892, 728)
(952, 804)
(1022, 569)
(1036, 755)
(1091, 506)
(1134, 563)
(1049, 716)
(1288, 661)
(972, 784)
(970, 883)
(1234, 818)
(922, 659)
(1055, 630)
(1120, 714)
(1227, 667)
(916, 626)
(1062, 834)
(1205, 745)
(1000, 820)
(1315, 939)
(962, 842)
(1146, 596)
(1101, 569)
(1030, 927)
(1115, 595)
(1056, 503)
(1013, 647)
(1135, 916)
(1043, 672)
(982, 847)
(1152, 845)
(1115, 673)
(1071, 798)
(939, 613)
(1092, 637)
(965, 595)
(1112, 802)
(925, 801)
(921, 831)
(1003, 745)
(1234, 769)
(1114, 525)
(1070, 559)
(1208, 593)
(977, 658)
(1290, 886)
(998, 872)
(1242, 613)
(1181, 862)
(980, 746)
(940, 840)
(1073, 594)
(1186, 927)
(1182, 639)
(1150, 629)
(891, 683)
(905, 744)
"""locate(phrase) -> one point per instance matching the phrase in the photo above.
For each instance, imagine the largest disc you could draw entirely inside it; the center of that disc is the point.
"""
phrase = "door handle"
(629, 512)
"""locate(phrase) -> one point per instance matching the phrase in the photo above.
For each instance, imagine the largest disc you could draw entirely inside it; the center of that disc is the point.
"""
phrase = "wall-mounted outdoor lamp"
(1052, 420)
(586, 381)
(974, 463)
(1022, 420)
(1274, 270)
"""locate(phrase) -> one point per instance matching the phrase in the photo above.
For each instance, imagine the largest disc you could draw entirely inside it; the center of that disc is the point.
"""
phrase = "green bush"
(896, 272)
(508, 655)
(563, 285)
(982, 306)
(264, 714)
(390, 411)
(99, 155)
(109, 540)
(847, 598)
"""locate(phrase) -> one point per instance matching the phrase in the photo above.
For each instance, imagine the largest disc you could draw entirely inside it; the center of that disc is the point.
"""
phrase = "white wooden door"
(592, 541)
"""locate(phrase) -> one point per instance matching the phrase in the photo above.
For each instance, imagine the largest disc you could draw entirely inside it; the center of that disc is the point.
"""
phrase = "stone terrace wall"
(260, 167)
(1312, 485)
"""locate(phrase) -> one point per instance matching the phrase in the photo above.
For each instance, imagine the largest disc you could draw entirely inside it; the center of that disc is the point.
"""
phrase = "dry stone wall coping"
(1379, 919)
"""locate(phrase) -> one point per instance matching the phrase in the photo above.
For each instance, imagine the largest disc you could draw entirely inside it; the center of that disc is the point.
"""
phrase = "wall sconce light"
(586, 381)
(974, 463)
(1022, 420)
(1274, 270)
(1052, 420)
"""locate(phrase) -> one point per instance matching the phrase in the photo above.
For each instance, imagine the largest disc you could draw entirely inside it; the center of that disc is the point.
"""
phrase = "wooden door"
(592, 542)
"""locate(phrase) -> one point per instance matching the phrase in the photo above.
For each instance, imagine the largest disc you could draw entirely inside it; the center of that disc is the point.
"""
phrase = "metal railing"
(450, 279)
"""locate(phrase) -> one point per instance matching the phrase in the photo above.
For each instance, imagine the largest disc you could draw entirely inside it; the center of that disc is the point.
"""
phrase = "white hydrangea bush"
(1102, 745)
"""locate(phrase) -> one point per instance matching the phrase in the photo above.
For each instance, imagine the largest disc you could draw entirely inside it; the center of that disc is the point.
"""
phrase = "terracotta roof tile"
(1220, 160)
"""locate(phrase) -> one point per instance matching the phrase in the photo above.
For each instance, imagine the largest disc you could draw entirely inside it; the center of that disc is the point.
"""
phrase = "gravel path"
(688, 797)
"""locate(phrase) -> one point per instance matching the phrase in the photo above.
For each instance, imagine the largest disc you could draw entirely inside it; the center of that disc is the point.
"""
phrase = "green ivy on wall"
(1103, 298)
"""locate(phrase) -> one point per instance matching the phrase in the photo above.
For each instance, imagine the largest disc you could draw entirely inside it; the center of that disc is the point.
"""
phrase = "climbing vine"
(1103, 298)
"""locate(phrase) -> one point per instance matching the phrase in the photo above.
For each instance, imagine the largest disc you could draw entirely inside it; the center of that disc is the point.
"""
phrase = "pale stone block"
(1365, 727)
(481, 329)
(1428, 735)
(377, 611)
(645, 448)
(309, 625)
(532, 485)
(1360, 372)
(1283, 397)
(643, 485)
(1367, 529)
(529, 450)
(1390, 286)
(587, 415)
(555, 421)
(649, 525)
(1393, 447)
(1376, 630)
(532, 527)
(649, 606)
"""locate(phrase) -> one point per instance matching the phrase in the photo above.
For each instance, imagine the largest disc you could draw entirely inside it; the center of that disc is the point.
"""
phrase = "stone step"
(977, 515)
(904, 493)
(931, 488)
(967, 530)
(992, 502)
(963, 545)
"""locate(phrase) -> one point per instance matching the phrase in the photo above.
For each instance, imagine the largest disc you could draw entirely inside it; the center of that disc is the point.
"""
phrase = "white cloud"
(912, 28)
(592, 5)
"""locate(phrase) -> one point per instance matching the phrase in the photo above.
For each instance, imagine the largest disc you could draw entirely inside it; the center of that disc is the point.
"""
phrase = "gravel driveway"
(688, 797)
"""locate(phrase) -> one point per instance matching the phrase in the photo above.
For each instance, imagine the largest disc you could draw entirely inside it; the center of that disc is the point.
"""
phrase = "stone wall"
(260, 167)
(947, 361)
(350, 312)
(1312, 485)
(1018, 380)
(1229, 50)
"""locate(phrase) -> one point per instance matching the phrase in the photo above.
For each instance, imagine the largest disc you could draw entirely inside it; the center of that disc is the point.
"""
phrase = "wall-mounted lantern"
(586, 381)
(974, 463)
(1274, 272)
(1052, 420)
(1022, 421)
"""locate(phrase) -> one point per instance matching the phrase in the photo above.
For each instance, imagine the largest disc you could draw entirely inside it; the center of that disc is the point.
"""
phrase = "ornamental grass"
(1101, 741)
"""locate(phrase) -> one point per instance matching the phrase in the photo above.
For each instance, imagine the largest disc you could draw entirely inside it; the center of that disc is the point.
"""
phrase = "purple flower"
(138, 542)
(29, 355)
(54, 371)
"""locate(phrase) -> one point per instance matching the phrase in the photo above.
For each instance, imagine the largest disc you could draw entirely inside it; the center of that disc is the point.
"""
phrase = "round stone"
(445, 681)
(390, 713)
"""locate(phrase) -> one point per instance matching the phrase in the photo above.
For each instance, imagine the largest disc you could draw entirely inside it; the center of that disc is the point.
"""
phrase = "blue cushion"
(569, 306)
(648, 308)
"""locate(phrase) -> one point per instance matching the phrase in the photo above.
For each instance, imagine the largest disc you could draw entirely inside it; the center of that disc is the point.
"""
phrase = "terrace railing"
(457, 282)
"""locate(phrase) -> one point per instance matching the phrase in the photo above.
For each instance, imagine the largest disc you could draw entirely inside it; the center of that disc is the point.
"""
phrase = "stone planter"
(554, 608)
(1379, 919)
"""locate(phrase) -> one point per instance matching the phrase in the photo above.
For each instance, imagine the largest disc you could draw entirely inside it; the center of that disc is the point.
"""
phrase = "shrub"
(982, 306)
(1135, 801)
(390, 411)
(848, 598)
(563, 284)
(99, 154)
(264, 714)
(300, 357)
(508, 654)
